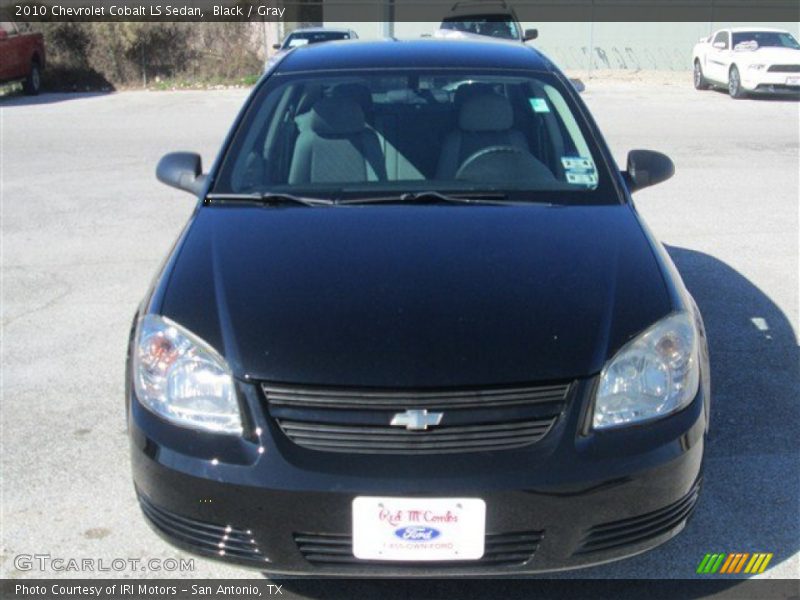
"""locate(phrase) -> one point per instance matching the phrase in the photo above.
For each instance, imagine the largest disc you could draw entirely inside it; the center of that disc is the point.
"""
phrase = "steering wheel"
(503, 163)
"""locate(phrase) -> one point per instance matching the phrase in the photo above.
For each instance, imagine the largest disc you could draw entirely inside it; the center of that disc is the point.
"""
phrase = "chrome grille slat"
(446, 437)
(299, 427)
(358, 421)
(413, 447)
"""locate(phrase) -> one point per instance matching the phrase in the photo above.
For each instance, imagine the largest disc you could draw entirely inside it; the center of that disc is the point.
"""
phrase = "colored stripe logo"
(738, 562)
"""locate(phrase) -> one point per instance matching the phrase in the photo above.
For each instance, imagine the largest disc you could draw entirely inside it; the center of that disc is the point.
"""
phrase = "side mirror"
(720, 45)
(646, 168)
(704, 39)
(182, 170)
(3, 35)
(579, 86)
(276, 46)
(530, 34)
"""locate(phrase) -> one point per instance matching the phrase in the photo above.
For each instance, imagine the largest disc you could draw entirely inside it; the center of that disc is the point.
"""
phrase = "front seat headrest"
(337, 116)
(355, 91)
(487, 112)
(470, 90)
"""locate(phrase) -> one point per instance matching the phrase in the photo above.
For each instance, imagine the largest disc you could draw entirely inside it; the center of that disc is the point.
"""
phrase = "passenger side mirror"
(530, 34)
(646, 168)
(182, 170)
(276, 46)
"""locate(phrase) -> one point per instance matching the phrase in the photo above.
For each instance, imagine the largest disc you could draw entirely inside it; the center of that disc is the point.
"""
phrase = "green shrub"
(103, 55)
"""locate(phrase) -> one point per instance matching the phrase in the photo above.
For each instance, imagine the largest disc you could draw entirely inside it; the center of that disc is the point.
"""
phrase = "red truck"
(21, 56)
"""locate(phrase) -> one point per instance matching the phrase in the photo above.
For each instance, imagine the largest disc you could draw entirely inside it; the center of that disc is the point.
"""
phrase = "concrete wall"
(627, 46)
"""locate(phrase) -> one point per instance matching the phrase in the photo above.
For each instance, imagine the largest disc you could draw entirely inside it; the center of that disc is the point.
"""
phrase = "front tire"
(700, 82)
(735, 84)
(33, 83)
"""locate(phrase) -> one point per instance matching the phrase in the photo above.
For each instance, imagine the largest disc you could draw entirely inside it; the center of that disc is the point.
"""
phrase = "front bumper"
(766, 82)
(568, 501)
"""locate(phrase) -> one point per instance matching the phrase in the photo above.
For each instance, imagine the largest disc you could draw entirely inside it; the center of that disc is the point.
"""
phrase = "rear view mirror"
(646, 168)
(182, 170)
(531, 34)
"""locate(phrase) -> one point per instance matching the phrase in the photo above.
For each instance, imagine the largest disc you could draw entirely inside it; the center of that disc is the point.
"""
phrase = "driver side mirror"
(720, 45)
(182, 170)
(646, 168)
(530, 34)
(276, 46)
(3, 35)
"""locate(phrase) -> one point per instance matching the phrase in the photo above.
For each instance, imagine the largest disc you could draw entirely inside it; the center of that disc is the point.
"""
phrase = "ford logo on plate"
(417, 534)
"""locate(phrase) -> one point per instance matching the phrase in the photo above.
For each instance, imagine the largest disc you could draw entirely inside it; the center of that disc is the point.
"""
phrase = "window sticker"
(539, 105)
(580, 170)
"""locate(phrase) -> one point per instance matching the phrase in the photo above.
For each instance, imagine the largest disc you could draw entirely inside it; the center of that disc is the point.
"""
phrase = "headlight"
(757, 67)
(182, 379)
(653, 375)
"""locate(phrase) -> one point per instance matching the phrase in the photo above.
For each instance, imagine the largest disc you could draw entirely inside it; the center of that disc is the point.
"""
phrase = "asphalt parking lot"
(85, 226)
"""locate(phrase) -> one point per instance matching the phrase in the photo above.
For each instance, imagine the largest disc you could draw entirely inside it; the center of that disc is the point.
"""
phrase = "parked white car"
(748, 61)
(308, 35)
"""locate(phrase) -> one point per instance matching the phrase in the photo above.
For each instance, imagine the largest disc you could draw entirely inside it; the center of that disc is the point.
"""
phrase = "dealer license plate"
(418, 529)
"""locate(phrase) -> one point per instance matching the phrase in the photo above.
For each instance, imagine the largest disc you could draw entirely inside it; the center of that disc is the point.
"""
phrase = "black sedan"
(416, 326)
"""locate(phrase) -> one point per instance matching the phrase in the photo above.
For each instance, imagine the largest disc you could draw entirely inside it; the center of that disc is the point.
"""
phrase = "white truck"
(748, 61)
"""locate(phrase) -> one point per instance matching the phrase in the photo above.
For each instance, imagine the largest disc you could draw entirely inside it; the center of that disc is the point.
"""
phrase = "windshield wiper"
(270, 199)
(432, 197)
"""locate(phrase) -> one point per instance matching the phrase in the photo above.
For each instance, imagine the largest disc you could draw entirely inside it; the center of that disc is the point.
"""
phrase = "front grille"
(784, 69)
(201, 536)
(639, 529)
(500, 550)
(305, 397)
(358, 420)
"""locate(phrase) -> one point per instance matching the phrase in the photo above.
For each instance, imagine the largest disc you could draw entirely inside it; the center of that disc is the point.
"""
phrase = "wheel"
(700, 82)
(735, 84)
(33, 83)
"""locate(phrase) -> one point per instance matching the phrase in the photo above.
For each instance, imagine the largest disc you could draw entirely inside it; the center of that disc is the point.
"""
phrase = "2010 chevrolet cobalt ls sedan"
(416, 326)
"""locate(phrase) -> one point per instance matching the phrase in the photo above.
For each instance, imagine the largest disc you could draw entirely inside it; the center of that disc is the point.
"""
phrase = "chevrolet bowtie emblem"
(416, 420)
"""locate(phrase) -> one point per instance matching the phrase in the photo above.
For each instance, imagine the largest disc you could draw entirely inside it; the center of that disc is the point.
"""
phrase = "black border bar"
(535, 11)
(397, 589)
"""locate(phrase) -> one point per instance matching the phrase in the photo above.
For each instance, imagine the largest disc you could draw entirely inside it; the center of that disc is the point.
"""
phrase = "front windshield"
(498, 27)
(314, 37)
(778, 39)
(373, 133)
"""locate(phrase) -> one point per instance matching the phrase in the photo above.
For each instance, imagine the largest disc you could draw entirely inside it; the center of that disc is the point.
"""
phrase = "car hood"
(769, 55)
(415, 296)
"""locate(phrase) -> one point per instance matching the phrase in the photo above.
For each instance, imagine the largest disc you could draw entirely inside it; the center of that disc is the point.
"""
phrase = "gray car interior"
(345, 132)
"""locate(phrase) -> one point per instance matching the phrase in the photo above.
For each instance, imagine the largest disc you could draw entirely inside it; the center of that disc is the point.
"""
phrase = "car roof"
(319, 30)
(487, 53)
(479, 11)
(488, 7)
(743, 29)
